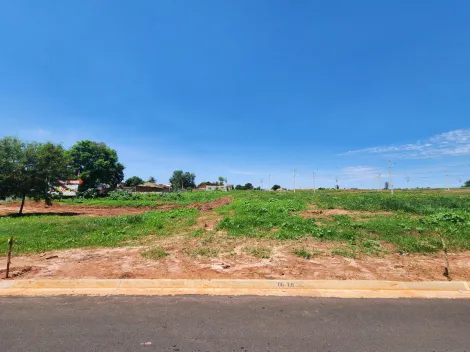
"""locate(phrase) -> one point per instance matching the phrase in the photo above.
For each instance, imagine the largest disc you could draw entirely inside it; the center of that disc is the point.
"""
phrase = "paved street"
(201, 323)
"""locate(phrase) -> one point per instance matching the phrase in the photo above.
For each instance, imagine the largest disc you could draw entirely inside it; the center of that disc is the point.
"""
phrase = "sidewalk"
(306, 288)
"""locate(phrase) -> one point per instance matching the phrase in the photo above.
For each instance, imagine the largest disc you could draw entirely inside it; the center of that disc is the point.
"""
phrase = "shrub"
(123, 195)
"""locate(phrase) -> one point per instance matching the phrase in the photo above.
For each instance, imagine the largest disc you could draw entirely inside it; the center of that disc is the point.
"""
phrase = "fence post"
(10, 242)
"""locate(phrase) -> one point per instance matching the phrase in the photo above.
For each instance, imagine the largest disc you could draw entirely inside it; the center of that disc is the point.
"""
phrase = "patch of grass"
(370, 247)
(406, 233)
(149, 199)
(206, 252)
(155, 253)
(260, 252)
(422, 203)
(263, 212)
(198, 233)
(304, 253)
(345, 252)
(44, 233)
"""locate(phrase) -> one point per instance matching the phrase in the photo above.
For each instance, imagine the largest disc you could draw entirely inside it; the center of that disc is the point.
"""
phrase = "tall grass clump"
(42, 232)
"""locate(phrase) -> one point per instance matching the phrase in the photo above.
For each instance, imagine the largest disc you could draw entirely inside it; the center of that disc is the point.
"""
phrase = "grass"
(155, 253)
(206, 252)
(417, 222)
(418, 219)
(344, 252)
(304, 253)
(260, 252)
(44, 233)
(149, 199)
(407, 202)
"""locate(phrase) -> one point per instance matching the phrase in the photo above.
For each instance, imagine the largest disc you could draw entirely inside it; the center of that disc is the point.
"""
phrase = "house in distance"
(214, 186)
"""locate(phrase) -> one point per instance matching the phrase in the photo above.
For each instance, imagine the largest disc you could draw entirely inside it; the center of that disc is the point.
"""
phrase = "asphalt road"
(204, 323)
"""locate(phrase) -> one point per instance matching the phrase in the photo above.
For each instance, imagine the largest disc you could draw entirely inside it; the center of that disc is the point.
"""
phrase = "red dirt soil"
(38, 208)
(127, 262)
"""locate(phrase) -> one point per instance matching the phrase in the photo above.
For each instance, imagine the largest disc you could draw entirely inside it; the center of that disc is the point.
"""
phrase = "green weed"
(206, 252)
(155, 253)
(304, 253)
(260, 252)
(345, 252)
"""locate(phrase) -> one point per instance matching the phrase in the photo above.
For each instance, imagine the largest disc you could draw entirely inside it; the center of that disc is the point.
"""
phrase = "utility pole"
(447, 181)
(390, 174)
(294, 179)
(378, 182)
(337, 186)
(261, 182)
(313, 173)
(269, 182)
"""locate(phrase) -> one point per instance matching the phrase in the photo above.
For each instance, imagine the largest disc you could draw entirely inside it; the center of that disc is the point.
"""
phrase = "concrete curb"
(309, 288)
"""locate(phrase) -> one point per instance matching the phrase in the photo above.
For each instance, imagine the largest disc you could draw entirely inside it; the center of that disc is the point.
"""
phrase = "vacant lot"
(249, 234)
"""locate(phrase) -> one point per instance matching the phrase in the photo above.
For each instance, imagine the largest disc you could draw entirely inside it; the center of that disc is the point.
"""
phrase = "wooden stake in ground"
(10, 243)
(447, 268)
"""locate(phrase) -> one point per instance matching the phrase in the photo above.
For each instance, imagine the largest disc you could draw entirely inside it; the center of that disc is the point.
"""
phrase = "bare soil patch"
(229, 258)
(314, 212)
(40, 208)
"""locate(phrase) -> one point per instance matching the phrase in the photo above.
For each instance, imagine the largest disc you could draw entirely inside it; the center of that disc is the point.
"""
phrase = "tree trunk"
(22, 204)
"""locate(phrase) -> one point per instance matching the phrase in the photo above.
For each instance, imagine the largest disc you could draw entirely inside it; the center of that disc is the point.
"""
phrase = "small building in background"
(224, 188)
(149, 187)
(67, 188)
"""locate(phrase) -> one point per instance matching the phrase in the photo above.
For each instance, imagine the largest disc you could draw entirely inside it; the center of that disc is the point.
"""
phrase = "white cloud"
(453, 143)
(354, 173)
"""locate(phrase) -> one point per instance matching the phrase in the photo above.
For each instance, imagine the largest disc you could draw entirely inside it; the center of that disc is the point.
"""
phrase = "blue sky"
(247, 89)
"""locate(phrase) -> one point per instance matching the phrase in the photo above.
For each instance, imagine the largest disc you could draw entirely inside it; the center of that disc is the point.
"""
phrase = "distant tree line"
(246, 187)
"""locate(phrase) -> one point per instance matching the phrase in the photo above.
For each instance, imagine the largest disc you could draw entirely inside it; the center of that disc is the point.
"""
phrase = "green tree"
(182, 180)
(30, 169)
(222, 180)
(275, 187)
(386, 185)
(248, 186)
(240, 188)
(96, 163)
(152, 179)
(133, 181)
(467, 183)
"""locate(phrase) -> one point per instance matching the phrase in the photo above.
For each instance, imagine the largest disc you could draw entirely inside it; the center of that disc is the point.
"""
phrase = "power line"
(294, 179)
(313, 173)
(390, 174)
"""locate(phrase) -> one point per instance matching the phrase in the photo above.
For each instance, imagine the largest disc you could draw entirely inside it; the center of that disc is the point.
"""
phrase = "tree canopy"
(152, 179)
(182, 180)
(133, 181)
(30, 169)
(96, 164)
(275, 187)
(246, 187)
(467, 183)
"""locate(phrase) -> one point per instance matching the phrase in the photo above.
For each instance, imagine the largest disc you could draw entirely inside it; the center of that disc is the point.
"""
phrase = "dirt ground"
(235, 260)
(38, 208)
(314, 212)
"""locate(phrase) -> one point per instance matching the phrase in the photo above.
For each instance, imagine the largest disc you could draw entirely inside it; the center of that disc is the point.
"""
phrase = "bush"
(90, 193)
(123, 195)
